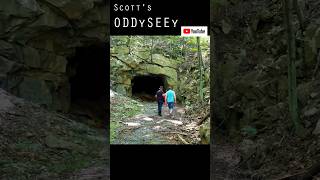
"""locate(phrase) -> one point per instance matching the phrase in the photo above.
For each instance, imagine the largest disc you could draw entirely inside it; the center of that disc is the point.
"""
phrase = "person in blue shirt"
(170, 99)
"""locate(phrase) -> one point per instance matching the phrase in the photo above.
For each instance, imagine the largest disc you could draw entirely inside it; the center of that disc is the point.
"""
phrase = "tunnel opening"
(87, 71)
(146, 86)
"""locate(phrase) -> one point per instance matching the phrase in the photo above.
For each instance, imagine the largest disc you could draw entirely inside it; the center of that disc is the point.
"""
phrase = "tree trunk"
(217, 107)
(300, 14)
(201, 70)
(128, 44)
(302, 21)
(185, 49)
(151, 49)
(184, 55)
(217, 103)
(292, 80)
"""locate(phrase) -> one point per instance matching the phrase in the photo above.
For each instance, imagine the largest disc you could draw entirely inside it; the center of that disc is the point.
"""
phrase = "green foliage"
(186, 58)
(191, 74)
(122, 108)
(248, 130)
(205, 133)
(219, 2)
(183, 51)
(114, 125)
(27, 146)
(72, 162)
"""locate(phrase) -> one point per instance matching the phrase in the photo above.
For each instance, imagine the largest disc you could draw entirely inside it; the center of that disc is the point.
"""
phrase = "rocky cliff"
(132, 57)
(38, 42)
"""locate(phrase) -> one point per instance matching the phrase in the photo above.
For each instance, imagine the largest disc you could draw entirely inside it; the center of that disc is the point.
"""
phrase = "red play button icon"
(186, 31)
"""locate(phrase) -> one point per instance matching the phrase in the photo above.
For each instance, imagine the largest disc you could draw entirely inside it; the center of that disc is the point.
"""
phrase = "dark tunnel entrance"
(146, 86)
(87, 71)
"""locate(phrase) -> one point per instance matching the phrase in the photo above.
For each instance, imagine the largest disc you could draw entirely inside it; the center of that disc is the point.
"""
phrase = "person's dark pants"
(160, 103)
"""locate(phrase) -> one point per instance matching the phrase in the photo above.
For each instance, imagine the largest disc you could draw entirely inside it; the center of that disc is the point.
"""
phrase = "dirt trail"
(149, 128)
(41, 144)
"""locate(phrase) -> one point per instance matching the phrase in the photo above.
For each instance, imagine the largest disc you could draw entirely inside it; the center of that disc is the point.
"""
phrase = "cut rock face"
(38, 39)
(139, 72)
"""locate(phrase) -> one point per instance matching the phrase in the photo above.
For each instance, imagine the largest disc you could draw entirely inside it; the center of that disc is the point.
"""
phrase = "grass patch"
(71, 162)
(122, 108)
(27, 146)
(113, 127)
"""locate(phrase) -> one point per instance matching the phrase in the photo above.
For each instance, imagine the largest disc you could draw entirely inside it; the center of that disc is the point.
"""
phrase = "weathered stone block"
(20, 8)
(52, 62)
(49, 19)
(31, 57)
(73, 9)
(59, 64)
(122, 89)
(6, 65)
(39, 36)
(6, 49)
(36, 91)
(61, 97)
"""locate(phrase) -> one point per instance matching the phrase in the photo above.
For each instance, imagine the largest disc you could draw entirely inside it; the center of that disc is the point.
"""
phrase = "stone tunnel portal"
(88, 81)
(146, 86)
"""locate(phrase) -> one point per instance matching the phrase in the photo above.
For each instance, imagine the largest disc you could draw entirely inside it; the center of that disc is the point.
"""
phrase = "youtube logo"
(194, 31)
(186, 31)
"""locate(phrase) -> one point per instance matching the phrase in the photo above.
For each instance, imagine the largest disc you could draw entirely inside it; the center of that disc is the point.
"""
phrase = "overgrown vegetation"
(266, 88)
(121, 108)
(183, 62)
(194, 80)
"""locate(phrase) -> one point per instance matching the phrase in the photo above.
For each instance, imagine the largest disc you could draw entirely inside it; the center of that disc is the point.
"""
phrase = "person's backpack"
(160, 95)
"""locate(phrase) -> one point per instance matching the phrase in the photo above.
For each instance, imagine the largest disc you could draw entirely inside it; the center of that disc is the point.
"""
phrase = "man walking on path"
(160, 99)
(170, 99)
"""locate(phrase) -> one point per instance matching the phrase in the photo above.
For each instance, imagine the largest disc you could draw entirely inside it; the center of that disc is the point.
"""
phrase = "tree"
(292, 79)
(151, 48)
(129, 43)
(300, 14)
(200, 69)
